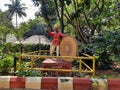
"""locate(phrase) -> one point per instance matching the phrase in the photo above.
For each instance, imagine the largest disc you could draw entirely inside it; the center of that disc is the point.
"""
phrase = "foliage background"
(94, 23)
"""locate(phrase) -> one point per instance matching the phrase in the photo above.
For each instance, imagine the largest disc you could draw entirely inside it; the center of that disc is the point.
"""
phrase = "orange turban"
(55, 27)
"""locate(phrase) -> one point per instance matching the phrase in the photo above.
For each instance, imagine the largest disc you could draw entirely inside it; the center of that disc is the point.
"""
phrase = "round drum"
(68, 47)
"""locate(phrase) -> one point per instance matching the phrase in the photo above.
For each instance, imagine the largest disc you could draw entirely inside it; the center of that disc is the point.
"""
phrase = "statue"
(57, 36)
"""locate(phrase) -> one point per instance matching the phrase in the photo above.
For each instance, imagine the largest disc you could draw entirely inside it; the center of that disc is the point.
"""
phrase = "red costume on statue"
(56, 40)
(56, 37)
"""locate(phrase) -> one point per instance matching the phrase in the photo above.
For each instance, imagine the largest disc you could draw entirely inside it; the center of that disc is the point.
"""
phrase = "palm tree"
(16, 8)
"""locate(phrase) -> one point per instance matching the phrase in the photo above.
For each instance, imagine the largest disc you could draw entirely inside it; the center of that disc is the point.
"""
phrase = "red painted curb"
(113, 84)
(49, 83)
(17, 82)
(57, 83)
(81, 84)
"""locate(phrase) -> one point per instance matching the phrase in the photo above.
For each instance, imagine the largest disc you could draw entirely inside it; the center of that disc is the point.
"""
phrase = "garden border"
(57, 83)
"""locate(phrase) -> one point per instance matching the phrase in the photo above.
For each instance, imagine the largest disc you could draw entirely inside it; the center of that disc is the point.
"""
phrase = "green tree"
(47, 11)
(23, 28)
(4, 20)
(5, 26)
(3, 32)
(16, 8)
(50, 10)
(32, 27)
(87, 17)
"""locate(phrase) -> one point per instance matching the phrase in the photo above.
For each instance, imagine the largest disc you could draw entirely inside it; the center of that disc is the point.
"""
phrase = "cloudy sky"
(30, 10)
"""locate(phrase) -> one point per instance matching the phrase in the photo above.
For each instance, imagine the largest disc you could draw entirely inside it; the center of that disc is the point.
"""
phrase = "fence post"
(15, 61)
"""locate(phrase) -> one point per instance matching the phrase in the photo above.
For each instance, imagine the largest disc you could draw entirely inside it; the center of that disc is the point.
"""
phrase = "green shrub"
(105, 46)
(104, 61)
(17, 48)
(35, 47)
(5, 64)
(27, 72)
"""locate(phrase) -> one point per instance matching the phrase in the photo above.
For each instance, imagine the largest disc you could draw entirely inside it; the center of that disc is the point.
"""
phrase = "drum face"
(68, 47)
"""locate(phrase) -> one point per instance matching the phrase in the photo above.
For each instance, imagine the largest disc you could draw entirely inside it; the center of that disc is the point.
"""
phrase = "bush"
(18, 48)
(6, 63)
(104, 47)
(33, 47)
(104, 61)
(27, 72)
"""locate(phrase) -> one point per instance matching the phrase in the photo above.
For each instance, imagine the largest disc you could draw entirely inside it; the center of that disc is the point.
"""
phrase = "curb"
(57, 83)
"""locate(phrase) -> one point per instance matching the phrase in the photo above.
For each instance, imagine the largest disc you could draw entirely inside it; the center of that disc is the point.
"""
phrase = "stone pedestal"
(55, 63)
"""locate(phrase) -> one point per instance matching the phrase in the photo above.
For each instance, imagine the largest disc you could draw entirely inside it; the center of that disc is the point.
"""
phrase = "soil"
(107, 73)
(111, 73)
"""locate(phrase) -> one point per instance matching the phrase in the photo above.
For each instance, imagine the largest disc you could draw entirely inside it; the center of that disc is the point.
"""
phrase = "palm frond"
(16, 7)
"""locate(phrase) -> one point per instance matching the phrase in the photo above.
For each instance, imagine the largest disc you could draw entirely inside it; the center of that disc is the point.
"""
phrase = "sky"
(30, 11)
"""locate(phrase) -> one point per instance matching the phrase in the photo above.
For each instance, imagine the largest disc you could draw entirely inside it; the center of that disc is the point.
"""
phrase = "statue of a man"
(56, 35)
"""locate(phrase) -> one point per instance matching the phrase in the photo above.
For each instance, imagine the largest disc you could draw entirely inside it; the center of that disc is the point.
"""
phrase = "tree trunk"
(16, 20)
(61, 21)
(48, 22)
(60, 15)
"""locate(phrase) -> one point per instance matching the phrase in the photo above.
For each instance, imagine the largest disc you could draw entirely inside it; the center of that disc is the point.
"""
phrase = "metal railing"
(37, 55)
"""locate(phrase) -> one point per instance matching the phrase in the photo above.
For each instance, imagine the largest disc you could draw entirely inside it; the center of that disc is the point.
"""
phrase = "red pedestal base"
(56, 64)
